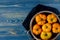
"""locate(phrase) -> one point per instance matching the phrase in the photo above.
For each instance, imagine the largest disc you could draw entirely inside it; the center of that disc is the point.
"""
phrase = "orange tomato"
(56, 28)
(46, 27)
(45, 35)
(51, 18)
(36, 29)
(40, 19)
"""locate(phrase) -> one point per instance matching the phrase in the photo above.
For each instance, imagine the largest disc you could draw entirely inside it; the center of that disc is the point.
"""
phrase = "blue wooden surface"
(13, 13)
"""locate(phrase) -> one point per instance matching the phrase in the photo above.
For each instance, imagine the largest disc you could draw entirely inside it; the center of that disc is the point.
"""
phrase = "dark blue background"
(21, 7)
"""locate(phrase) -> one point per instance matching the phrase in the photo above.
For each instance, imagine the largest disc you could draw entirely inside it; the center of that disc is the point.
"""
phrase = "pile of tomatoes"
(46, 25)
